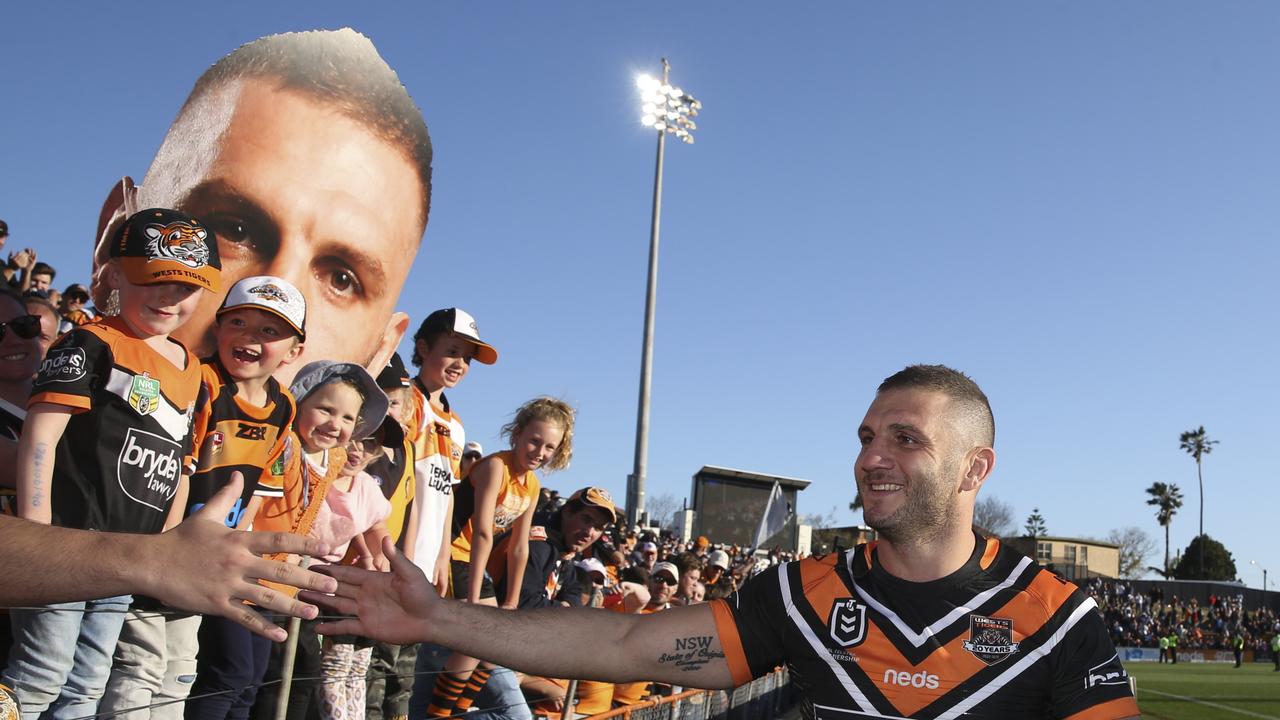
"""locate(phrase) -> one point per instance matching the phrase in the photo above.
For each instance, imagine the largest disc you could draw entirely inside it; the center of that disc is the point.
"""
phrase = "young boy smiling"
(240, 426)
(108, 424)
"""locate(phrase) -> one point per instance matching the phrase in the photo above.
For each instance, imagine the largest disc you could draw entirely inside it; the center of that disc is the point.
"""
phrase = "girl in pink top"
(354, 506)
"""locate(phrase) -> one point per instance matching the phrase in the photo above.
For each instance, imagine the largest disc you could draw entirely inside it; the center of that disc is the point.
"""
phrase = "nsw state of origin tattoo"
(38, 463)
(691, 653)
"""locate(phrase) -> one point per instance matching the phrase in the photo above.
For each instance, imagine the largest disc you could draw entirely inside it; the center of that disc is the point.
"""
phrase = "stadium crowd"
(1144, 619)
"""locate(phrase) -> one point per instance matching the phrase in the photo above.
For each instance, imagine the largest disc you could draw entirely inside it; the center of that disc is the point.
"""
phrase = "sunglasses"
(368, 445)
(664, 579)
(25, 327)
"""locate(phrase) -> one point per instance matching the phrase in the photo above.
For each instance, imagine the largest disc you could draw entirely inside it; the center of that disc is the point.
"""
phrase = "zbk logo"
(848, 622)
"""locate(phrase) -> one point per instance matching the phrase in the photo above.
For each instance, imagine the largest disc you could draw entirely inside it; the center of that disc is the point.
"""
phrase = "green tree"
(1197, 444)
(856, 505)
(1217, 565)
(1167, 498)
(1035, 524)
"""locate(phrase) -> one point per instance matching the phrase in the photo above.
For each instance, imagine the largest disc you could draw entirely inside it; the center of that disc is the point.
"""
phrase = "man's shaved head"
(340, 69)
(969, 404)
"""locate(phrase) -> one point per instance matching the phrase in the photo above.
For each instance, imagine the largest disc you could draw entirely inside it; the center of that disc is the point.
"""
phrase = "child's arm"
(41, 432)
(372, 538)
(250, 512)
(445, 556)
(486, 478)
(179, 507)
(518, 557)
(410, 530)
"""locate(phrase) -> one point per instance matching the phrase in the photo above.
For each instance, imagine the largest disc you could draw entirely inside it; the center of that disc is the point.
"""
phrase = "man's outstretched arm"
(678, 646)
(201, 565)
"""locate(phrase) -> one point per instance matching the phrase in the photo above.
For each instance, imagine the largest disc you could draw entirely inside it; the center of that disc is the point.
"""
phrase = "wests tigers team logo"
(178, 241)
(990, 639)
(270, 292)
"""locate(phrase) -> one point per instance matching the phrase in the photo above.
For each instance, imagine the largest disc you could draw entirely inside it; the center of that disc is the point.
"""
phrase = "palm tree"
(1168, 498)
(1197, 444)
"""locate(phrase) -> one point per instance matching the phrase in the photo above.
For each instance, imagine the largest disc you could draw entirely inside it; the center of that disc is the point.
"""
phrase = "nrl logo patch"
(848, 622)
(990, 639)
(144, 394)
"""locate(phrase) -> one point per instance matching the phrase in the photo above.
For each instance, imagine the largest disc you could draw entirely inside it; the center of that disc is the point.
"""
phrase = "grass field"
(1207, 691)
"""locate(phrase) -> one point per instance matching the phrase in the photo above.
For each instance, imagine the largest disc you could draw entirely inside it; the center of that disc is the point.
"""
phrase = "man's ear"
(397, 326)
(121, 202)
(981, 462)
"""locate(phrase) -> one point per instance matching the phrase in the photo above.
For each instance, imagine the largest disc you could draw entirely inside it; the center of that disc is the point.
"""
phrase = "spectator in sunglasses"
(50, 322)
(21, 352)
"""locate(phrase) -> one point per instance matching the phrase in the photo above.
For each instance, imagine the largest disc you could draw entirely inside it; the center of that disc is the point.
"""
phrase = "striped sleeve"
(71, 370)
(1089, 682)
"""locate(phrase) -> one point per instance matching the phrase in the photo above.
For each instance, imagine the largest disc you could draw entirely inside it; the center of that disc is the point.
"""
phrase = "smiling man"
(306, 156)
(932, 620)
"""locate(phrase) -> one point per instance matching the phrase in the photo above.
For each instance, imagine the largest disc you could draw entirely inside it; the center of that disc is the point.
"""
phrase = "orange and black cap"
(159, 245)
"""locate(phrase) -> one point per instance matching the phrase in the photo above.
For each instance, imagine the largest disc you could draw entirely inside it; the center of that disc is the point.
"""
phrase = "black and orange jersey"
(231, 434)
(516, 495)
(117, 464)
(393, 471)
(1000, 638)
(11, 419)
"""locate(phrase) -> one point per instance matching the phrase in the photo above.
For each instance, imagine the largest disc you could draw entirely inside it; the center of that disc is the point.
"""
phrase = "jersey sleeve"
(77, 363)
(747, 623)
(1089, 682)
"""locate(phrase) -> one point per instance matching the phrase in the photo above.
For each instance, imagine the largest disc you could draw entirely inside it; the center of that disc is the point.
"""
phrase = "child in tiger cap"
(108, 426)
(240, 426)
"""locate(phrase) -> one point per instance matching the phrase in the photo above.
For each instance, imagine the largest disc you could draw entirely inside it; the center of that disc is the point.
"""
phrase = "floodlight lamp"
(665, 89)
(648, 120)
(646, 82)
(649, 109)
(659, 126)
(688, 139)
(676, 93)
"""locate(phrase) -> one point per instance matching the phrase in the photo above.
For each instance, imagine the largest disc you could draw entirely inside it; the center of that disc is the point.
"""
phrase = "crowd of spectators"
(1141, 619)
(33, 280)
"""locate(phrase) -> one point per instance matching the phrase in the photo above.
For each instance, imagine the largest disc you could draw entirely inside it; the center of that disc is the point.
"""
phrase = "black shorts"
(460, 580)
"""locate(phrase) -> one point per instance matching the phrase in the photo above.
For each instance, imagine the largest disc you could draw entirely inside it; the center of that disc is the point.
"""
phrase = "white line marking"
(1228, 708)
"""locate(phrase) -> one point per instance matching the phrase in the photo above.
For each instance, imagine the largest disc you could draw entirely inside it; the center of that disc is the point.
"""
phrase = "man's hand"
(390, 607)
(23, 259)
(206, 567)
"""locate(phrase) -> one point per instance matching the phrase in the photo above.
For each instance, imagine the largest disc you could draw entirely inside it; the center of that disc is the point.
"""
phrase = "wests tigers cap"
(270, 294)
(158, 245)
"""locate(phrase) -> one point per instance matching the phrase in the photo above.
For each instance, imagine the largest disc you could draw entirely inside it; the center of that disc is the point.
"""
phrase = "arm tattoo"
(691, 653)
(37, 483)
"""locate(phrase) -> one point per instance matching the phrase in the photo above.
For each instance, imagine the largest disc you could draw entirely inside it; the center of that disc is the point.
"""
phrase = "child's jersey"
(301, 487)
(118, 462)
(393, 471)
(1000, 638)
(11, 419)
(348, 513)
(518, 493)
(438, 440)
(230, 434)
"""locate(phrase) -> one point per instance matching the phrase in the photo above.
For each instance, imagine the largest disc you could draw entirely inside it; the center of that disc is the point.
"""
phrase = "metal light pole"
(1264, 573)
(668, 110)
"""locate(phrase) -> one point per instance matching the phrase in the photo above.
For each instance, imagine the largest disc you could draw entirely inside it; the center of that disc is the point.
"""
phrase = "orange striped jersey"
(118, 461)
(438, 439)
(11, 419)
(393, 471)
(1000, 638)
(517, 495)
(231, 434)
(303, 486)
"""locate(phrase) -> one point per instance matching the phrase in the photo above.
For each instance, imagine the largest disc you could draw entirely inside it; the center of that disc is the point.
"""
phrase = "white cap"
(273, 294)
(666, 567)
(593, 565)
(719, 558)
(473, 447)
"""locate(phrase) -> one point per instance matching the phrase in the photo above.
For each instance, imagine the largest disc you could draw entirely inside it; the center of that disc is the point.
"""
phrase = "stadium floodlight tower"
(669, 111)
(1264, 573)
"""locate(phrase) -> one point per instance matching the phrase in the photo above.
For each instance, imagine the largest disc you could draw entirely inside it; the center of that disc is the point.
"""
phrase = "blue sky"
(1074, 202)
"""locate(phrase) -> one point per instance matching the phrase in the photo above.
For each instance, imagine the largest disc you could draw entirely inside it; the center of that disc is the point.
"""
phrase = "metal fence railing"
(764, 698)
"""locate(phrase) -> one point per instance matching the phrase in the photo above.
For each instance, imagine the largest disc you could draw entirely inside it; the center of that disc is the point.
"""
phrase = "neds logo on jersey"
(148, 468)
(64, 364)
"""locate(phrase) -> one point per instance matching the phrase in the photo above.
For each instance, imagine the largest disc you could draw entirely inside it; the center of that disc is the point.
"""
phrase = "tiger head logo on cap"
(159, 245)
